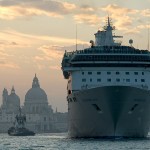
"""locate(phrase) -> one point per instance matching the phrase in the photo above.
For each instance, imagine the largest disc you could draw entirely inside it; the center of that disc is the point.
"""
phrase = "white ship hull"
(109, 111)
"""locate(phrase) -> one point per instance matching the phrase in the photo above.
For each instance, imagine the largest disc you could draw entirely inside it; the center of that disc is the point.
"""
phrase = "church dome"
(36, 94)
(13, 102)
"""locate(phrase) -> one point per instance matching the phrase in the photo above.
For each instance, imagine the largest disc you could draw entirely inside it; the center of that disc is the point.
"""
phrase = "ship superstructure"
(108, 88)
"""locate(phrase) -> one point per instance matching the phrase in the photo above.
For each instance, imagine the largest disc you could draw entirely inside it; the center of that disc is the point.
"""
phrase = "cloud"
(10, 44)
(122, 16)
(145, 12)
(16, 9)
(11, 39)
(118, 10)
(13, 9)
(128, 20)
(87, 14)
(88, 19)
(38, 58)
(50, 56)
(143, 26)
(3, 54)
(6, 64)
(32, 50)
(55, 67)
(87, 9)
(5, 60)
(51, 52)
(132, 31)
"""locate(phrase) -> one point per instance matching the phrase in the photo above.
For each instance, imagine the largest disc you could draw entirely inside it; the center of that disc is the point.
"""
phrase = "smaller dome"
(13, 98)
(13, 102)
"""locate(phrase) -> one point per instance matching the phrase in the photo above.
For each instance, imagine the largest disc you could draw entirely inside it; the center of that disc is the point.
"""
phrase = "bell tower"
(5, 98)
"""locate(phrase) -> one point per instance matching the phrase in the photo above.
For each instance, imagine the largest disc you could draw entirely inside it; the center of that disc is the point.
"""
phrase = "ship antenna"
(108, 21)
(148, 38)
(76, 38)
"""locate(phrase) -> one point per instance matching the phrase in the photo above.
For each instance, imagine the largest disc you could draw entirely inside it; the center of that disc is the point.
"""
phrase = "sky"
(35, 33)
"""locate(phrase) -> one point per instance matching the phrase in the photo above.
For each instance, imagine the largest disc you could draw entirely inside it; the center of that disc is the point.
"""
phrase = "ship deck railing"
(108, 49)
(106, 53)
(78, 58)
(113, 49)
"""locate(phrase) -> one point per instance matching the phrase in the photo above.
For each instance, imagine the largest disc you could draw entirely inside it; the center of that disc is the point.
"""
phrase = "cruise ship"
(108, 90)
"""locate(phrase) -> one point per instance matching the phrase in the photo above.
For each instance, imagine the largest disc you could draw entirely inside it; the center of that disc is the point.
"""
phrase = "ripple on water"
(61, 142)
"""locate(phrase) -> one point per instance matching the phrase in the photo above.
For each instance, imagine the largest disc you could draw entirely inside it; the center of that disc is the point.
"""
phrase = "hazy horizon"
(35, 34)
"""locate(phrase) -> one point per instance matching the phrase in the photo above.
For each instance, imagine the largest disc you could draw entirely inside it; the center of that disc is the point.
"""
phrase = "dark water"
(61, 142)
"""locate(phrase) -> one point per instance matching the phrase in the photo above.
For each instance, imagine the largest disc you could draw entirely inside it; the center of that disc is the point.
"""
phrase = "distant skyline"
(35, 33)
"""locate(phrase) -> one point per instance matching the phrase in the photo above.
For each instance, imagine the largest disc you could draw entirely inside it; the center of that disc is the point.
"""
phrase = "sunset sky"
(35, 33)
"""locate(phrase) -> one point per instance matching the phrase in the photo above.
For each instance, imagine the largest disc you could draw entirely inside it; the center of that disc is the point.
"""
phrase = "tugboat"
(19, 127)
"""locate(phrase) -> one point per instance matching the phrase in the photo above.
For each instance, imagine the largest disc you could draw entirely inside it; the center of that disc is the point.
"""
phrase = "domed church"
(39, 114)
(36, 99)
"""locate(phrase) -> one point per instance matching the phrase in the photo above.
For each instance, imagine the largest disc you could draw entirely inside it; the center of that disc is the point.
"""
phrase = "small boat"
(19, 127)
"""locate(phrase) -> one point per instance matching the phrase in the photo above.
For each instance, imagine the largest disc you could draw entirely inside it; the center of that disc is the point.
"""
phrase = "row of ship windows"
(117, 80)
(117, 73)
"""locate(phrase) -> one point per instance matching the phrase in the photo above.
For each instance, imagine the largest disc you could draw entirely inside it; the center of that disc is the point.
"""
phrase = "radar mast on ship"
(105, 37)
